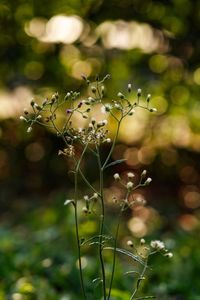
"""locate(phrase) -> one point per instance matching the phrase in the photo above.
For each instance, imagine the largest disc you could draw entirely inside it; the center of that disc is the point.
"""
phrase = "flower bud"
(130, 243)
(22, 118)
(169, 255)
(116, 176)
(139, 92)
(142, 241)
(95, 196)
(120, 95)
(148, 97)
(93, 89)
(129, 87)
(129, 185)
(29, 129)
(130, 175)
(148, 181)
(144, 173)
(153, 110)
(25, 111)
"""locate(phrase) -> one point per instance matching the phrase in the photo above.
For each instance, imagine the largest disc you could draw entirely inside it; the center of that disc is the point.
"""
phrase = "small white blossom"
(158, 245)
(108, 140)
(142, 241)
(86, 198)
(95, 195)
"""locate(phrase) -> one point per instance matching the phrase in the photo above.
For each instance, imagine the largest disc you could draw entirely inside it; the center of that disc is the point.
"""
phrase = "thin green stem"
(76, 221)
(113, 145)
(101, 230)
(114, 253)
(140, 279)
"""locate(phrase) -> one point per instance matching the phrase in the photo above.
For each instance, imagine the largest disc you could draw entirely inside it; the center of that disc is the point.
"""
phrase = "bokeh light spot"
(34, 70)
(34, 152)
(158, 63)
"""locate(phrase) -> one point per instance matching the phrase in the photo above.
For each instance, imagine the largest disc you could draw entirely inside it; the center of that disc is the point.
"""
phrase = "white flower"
(158, 245)
(142, 241)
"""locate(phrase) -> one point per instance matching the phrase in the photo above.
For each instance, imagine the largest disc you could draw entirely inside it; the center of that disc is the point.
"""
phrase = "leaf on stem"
(126, 252)
(116, 162)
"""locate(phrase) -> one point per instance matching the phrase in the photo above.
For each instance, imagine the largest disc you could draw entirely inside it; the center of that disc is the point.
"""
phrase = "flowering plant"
(89, 138)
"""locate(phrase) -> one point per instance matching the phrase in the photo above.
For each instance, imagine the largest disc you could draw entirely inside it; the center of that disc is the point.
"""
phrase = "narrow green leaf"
(116, 162)
(126, 252)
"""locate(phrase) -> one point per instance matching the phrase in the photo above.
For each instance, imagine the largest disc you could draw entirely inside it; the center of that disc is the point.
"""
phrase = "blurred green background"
(45, 46)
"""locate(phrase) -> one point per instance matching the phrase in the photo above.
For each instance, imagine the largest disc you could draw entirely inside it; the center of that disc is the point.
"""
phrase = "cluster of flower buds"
(95, 133)
(159, 246)
(129, 184)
